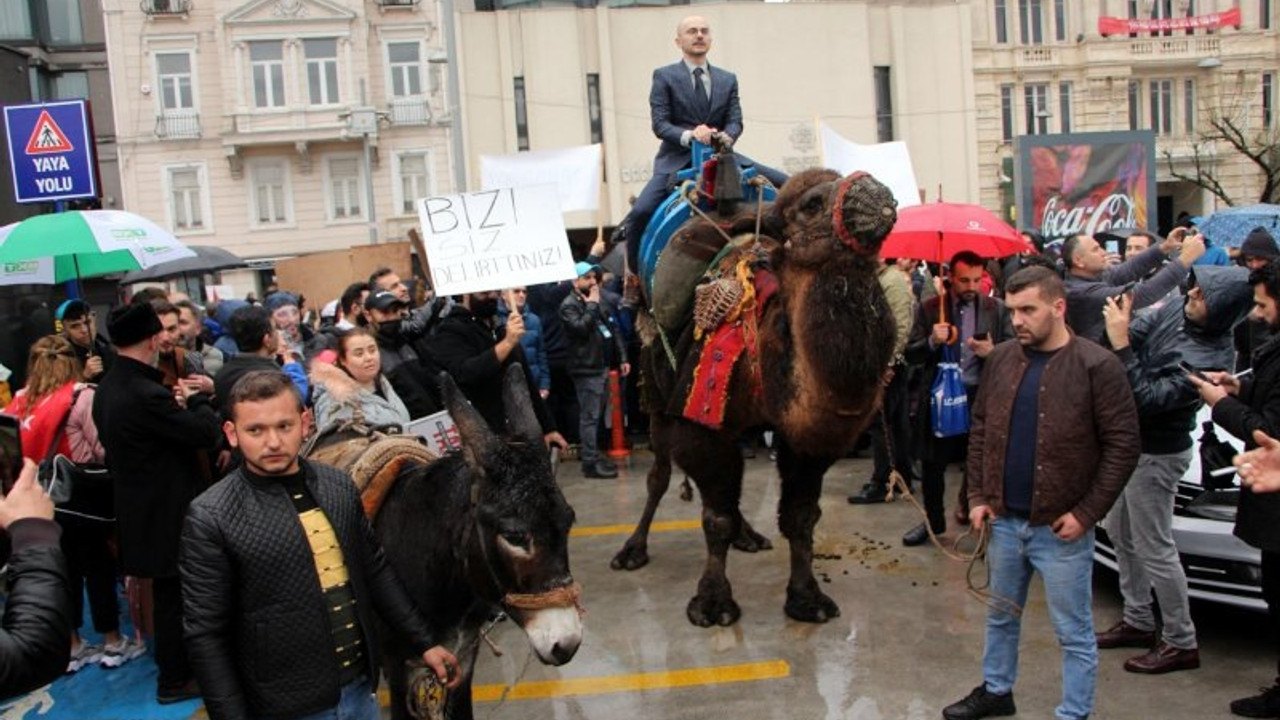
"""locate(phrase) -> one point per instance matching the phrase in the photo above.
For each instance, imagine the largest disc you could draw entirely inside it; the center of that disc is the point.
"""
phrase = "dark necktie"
(701, 103)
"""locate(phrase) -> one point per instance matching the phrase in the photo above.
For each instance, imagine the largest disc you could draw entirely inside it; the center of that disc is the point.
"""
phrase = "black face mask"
(484, 308)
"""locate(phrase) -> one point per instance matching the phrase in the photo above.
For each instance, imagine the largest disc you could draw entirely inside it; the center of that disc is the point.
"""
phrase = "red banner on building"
(1125, 26)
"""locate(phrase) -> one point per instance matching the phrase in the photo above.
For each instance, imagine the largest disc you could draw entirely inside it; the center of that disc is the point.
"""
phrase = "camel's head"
(825, 215)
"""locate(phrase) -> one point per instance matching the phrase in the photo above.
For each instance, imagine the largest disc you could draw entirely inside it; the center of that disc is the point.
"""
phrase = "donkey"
(476, 532)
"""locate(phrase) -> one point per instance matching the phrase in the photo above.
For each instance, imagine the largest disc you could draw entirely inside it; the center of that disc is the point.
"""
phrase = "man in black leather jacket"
(35, 642)
(281, 574)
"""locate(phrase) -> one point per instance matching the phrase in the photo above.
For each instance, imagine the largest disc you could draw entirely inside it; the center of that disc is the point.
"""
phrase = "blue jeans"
(357, 702)
(1018, 549)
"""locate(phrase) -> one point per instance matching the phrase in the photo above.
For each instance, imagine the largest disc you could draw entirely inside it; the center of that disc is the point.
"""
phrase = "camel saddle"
(729, 302)
(373, 456)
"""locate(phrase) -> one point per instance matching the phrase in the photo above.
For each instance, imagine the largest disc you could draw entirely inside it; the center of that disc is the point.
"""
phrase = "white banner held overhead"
(575, 171)
(495, 239)
(890, 163)
(27, 272)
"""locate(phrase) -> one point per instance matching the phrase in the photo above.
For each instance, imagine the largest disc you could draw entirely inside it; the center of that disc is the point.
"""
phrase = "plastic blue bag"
(948, 401)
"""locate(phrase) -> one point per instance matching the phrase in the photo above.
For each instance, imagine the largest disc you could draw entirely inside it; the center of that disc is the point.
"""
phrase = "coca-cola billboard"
(1085, 183)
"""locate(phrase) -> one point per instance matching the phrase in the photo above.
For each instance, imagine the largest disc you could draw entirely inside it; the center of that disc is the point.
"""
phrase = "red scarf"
(40, 426)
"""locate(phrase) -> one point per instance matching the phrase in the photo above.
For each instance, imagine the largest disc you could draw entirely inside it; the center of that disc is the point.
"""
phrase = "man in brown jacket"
(1053, 438)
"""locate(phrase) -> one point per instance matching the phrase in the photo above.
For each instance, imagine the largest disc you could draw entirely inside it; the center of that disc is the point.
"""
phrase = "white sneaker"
(86, 654)
(116, 654)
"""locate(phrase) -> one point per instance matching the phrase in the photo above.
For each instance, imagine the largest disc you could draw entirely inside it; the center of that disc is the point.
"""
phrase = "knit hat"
(131, 324)
(277, 300)
(1260, 244)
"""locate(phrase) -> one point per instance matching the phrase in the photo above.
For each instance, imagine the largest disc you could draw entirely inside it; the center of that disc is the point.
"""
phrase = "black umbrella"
(208, 259)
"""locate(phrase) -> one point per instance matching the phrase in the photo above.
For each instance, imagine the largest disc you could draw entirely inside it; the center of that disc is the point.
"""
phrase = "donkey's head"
(521, 520)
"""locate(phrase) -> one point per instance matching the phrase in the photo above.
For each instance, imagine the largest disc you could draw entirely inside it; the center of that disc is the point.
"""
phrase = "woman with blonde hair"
(355, 383)
(56, 408)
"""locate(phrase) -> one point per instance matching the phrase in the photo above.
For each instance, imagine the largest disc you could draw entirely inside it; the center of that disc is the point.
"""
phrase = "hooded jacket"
(1160, 339)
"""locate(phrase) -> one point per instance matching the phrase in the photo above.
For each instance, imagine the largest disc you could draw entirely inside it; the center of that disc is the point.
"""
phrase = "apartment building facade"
(278, 127)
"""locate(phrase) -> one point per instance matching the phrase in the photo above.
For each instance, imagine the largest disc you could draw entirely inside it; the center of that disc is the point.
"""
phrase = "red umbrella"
(937, 231)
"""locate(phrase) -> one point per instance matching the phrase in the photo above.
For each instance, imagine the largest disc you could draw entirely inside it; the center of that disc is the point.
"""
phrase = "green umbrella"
(85, 243)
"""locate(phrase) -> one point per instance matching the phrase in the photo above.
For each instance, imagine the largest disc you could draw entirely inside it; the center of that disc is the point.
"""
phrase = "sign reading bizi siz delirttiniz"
(51, 151)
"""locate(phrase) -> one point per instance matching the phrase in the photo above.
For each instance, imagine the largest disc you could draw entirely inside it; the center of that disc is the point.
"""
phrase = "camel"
(812, 369)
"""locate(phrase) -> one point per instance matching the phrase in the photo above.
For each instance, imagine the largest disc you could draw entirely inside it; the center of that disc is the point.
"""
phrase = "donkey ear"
(521, 418)
(477, 438)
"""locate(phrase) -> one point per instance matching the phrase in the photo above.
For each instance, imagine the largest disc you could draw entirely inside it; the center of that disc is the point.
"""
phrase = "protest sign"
(439, 430)
(575, 171)
(495, 239)
(889, 162)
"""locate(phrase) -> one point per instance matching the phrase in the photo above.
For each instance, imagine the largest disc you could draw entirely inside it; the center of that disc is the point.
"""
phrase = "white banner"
(439, 430)
(495, 239)
(27, 272)
(575, 171)
(890, 163)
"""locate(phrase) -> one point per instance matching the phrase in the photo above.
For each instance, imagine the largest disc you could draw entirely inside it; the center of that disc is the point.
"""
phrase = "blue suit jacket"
(671, 106)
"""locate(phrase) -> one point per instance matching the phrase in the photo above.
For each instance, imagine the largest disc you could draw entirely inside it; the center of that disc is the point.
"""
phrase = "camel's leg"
(715, 464)
(798, 513)
(635, 551)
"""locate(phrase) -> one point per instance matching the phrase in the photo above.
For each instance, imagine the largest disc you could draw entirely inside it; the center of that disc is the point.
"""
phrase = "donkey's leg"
(715, 464)
(798, 513)
(635, 551)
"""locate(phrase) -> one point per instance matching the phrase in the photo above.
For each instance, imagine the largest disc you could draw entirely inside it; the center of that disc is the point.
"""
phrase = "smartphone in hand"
(1113, 247)
(982, 336)
(1186, 368)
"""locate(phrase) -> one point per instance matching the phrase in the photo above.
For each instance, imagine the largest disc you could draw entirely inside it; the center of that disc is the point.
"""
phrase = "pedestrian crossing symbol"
(47, 137)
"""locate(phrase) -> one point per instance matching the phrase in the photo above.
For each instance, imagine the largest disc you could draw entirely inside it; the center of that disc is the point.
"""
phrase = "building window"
(63, 19)
(1060, 20)
(1031, 21)
(15, 21)
(322, 70)
(884, 105)
(1064, 107)
(405, 61)
(186, 198)
(267, 61)
(1006, 113)
(270, 183)
(522, 116)
(1135, 105)
(414, 179)
(1161, 92)
(173, 70)
(1002, 21)
(1264, 14)
(1189, 106)
(593, 108)
(345, 188)
(1268, 100)
(1036, 97)
(71, 85)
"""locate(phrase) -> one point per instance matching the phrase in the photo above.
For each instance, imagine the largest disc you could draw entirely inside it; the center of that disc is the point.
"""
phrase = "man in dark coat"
(282, 576)
(1195, 330)
(1242, 406)
(260, 349)
(974, 325)
(591, 336)
(476, 352)
(152, 437)
(79, 324)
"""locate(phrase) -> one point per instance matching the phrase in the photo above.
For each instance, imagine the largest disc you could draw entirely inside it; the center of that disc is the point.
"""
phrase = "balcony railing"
(166, 7)
(410, 111)
(397, 3)
(178, 125)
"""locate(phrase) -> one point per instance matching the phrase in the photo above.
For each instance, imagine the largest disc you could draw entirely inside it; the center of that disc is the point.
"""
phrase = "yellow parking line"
(628, 529)
(577, 687)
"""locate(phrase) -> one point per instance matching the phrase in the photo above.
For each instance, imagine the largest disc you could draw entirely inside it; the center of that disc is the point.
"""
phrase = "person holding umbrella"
(970, 324)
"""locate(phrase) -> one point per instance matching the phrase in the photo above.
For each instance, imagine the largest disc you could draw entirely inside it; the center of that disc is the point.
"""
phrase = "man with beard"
(412, 376)
(1053, 440)
(476, 351)
(152, 437)
(175, 361)
(591, 333)
(79, 324)
(1195, 331)
(974, 325)
(1243, 406)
